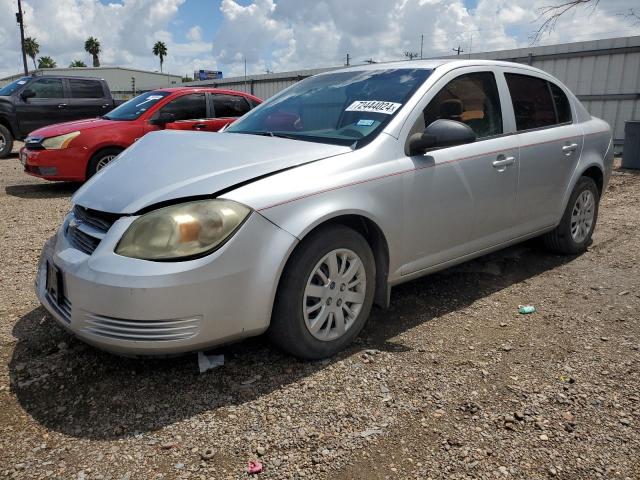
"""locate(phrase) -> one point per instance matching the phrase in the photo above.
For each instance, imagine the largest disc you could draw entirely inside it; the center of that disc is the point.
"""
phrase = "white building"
(121, 81)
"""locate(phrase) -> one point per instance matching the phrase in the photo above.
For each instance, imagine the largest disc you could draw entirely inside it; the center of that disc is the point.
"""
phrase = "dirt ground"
(450, 382)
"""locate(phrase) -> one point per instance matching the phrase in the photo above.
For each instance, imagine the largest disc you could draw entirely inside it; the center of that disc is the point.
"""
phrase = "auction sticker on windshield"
(374, 106)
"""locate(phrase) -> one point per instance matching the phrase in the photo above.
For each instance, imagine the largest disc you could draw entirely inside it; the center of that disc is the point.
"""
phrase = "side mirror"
(441, 133)
(27, 94)
(162, 119)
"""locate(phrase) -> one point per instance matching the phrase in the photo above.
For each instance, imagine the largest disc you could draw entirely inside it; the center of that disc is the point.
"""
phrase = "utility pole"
(245, 74)
(421, 44)
(20, 20)
(458, 50)
(348, 60)
(133, 86)
(371, 61)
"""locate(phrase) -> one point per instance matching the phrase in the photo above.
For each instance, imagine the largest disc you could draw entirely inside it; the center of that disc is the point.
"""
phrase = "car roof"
(432, 64)
(203, 89)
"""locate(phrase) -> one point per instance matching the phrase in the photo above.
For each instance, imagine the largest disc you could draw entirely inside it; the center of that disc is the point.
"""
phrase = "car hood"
(68, 127)
(168, 165)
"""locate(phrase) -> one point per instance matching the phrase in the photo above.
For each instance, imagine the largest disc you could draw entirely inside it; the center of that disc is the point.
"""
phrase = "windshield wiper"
(272, 134)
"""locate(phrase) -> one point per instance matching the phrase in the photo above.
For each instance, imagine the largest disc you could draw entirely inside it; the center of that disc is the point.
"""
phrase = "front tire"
(100, 160)
(325, 294)
(6, 142)
(573, 234)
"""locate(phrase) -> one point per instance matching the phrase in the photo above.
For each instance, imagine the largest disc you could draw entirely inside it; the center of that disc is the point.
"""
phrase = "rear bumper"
(68, 164)
(137, 307)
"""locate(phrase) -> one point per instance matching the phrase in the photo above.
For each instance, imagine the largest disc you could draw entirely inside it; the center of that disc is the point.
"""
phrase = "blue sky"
(282, 35)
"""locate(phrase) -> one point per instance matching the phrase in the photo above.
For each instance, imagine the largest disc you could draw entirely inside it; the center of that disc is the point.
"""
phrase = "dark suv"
(30, 103)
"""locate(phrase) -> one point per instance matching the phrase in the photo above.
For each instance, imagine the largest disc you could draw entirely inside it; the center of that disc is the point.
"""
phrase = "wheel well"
(100, 150)
(5, 123)
(596, 174)
(378, 243)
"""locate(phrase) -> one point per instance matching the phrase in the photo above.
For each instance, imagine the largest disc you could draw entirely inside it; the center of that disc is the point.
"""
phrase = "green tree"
(46, 62)
(32, 48)
(92, 46)
(77, 63)
(160, 50)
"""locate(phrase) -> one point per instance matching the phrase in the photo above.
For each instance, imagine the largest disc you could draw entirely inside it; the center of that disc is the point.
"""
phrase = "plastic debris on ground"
(526, 309)
(207, 362)
(254, 467)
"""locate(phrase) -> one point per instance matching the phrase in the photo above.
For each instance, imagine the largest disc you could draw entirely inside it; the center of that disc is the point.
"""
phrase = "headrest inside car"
(450, 109)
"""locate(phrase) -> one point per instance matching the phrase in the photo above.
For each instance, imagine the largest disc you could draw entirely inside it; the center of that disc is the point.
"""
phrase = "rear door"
(550, 146)
(87, 98)
(227, 108)
(48, 106)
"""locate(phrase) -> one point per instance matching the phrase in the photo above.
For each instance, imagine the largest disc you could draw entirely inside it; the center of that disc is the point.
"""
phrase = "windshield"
(13, 86)
(135, 107)
(342, 108)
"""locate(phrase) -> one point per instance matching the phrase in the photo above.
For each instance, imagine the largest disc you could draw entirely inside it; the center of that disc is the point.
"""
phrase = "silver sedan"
(310, 208)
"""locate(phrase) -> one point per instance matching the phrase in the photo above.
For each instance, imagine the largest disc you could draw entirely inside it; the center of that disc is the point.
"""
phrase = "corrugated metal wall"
(604, 74)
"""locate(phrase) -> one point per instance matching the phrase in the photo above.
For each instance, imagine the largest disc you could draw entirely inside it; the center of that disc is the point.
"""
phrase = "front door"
(191, 112)
(460, 200)
(46, 107)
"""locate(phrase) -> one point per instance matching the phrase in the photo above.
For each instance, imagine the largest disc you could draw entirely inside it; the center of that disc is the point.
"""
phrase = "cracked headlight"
(182, 231)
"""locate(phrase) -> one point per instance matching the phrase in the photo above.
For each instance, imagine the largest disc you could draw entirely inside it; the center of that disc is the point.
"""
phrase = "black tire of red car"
(560, 240)
(288, 329)
(6, 142)
(98, 159)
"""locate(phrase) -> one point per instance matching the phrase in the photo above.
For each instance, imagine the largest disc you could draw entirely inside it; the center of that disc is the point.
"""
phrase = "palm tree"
(160, 50)
(46, 62)
(92, 46)
(32, 48)
(77, 63)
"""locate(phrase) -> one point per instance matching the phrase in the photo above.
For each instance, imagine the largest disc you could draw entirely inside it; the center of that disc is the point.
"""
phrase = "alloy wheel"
(104, 161)
(334, 295)
(582, 216)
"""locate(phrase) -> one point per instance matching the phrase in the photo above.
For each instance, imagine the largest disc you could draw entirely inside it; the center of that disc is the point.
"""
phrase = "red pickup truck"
(74, 151)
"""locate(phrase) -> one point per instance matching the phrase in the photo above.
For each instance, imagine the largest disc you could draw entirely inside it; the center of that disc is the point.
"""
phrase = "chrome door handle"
(503, 162)
(570, 148)
(62, 105)
(199, 126)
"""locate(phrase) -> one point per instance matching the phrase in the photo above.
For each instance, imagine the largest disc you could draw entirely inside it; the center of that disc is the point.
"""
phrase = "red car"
(74, 151)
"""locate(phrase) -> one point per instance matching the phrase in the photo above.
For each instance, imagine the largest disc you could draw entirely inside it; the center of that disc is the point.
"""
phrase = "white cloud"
(290, 34)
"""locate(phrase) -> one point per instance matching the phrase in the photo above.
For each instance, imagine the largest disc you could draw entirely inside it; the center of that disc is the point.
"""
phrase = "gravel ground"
(450, 382)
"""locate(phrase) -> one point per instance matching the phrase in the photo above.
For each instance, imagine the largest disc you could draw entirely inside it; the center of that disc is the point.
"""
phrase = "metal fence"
(604, 74)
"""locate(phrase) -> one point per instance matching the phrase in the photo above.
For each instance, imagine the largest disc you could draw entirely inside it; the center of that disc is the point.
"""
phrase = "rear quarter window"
(563, 108)
(230, 105)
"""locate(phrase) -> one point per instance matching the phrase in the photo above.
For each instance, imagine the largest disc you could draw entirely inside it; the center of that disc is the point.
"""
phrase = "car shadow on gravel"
(43, 190)
(77, 390)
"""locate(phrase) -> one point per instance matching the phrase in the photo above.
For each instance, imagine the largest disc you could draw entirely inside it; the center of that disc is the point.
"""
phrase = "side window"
(563, 108)
(532, 102)
(472, 99)
(187, 107)
(230, 105)
(47, 88)
(86, 88)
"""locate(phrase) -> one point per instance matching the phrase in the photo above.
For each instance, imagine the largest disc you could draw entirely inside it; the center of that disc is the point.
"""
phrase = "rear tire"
(6, 142)
(325, 294)
(573, 234)
(100, 160)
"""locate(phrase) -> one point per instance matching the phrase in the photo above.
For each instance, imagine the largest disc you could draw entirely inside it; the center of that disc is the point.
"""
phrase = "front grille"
(98, 223)
(141, 330)
(100, 220)
(84, 242)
